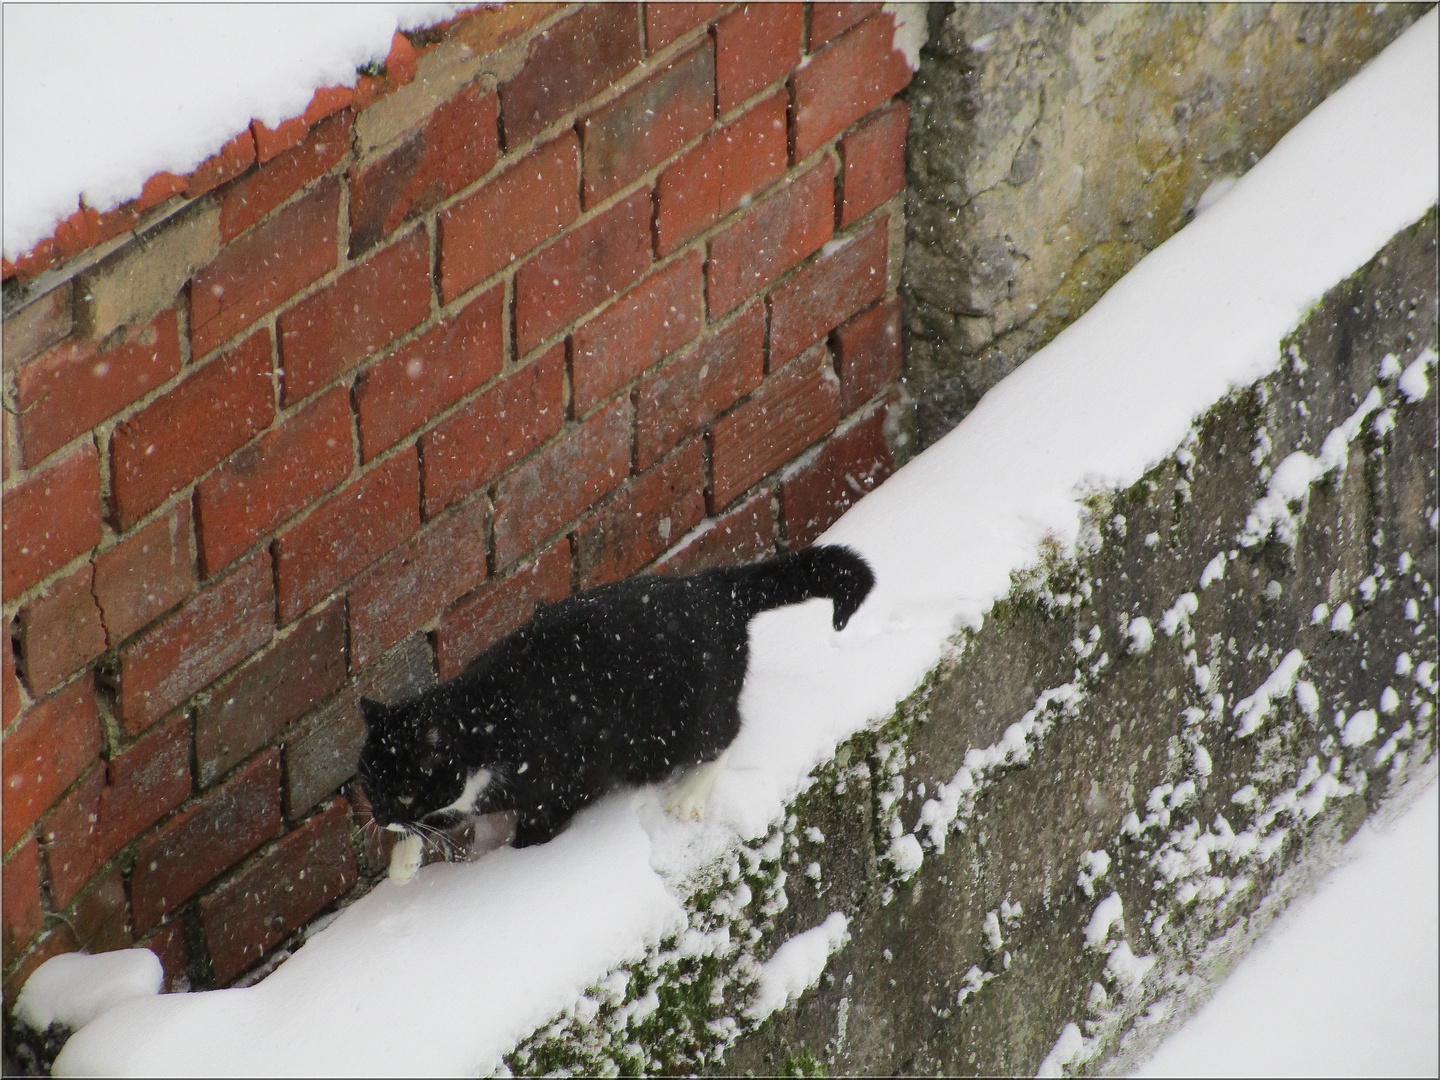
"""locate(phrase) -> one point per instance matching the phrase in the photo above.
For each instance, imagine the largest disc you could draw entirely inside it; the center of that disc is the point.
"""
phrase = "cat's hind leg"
(691, 792)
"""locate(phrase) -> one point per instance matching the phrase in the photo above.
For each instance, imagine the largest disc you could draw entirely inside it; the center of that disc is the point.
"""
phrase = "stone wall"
(1053, 145)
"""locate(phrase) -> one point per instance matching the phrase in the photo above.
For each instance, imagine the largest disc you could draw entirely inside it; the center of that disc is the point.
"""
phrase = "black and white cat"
(620, 684)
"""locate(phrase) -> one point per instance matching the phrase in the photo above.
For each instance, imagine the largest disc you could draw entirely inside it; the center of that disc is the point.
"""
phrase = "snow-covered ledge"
(636, 942)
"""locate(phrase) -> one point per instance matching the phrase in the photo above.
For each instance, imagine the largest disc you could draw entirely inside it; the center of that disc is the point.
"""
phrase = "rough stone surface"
(1053, 146)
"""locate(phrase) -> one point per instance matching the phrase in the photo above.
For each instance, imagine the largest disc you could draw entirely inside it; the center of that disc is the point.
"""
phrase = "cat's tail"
(836, 573)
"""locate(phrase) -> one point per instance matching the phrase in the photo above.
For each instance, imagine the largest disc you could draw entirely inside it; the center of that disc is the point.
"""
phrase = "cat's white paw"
(405, 858)
(692, 791)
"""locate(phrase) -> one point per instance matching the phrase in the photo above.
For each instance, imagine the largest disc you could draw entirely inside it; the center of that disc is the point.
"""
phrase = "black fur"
(619, 684)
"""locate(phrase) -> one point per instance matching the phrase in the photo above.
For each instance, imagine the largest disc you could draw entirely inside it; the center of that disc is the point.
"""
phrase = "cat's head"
(411, 770)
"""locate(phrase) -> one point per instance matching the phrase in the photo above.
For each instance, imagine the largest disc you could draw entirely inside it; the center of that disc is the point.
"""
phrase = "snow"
(1253, 710)
(447, 973)
(1108, 914)
(912, 30)
(798, 964)
(129, 90)
(1344, 983)
(1413, 382)
(72, 989)
(1140, 636)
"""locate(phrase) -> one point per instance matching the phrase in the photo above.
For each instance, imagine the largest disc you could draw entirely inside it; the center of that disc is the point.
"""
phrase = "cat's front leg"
(406, 857)
(692, 791)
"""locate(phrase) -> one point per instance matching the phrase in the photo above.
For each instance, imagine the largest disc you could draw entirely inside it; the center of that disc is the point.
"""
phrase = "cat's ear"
(373, 712)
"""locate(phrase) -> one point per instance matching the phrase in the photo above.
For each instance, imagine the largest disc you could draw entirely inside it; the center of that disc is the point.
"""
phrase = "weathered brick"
(581, 270)
(849, 466)
(569, 63)
(743, 535)
(423, 378)
(278, 892)
(354, 316)
(358, 525)
(322, 749)
(243, 714)
(754, 46)
(10, 685)
(146, 574)
(198, 844)
(629, 136)
(273, 478)
(689, 392)
(850, 274)
(75, 385)
(729, 165)
(102, 915)
(562, 481)
(510, 216)
(829, 20)
(657, 507)
(185, 652)
(61, 630)
(499, 606)
(416, 582)
(234, 158)
(37, 326)
(58, 939)
(650, 322)
(873, 157)
(665, 23)
(50, 518)
(777, 234)
(23, 916)
(378, 844)
(495, 430)
(215, 410)
(168, 943)
(843, 82)
(319, 150)
(868, 353)
(263, 268)
(455, 146)
(54, 742)
(113, 804)
(271, 142)
(794, 408)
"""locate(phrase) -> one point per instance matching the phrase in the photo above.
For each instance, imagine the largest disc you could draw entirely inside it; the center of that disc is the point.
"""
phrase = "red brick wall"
(619, 296)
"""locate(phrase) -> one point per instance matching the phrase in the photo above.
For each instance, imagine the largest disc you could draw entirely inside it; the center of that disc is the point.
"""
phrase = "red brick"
(355, 316)
(743, 535)
(203, 840)
(243, 714)
(669, 22)
(868, 353)
(794, 408)
(61, 631)
(500, 606)
(847, 276)
(102, 915)
(687, 393)
(850, 465)
(272, 142)
(581, 270)
(54, 742)
(509, 216)
(781, 231)
(648, 123)
(159, 188)
(359, 525)
(20, 901)
(215, 410)
(217, 629)
(50, 518)
(112, 805)
(495, 430)
(75, 386)
(455, 146)
(754, 46)
(422, 379)
(873, 157)
(234, 158)
(654, 509)
(278, 892)
(561, 482)
(168, 943)
(569, 63)
(318, 151)
(78, 232)
(828, 20)
(729, 165)
(415, 583)
(146, 574)
(58, 939)
(263, 268)
(654, 319)
(34, 262)
(273, 478)
(843, 82)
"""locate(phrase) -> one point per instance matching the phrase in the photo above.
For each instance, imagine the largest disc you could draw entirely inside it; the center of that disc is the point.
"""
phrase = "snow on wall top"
(446, 974)
(100, 97)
